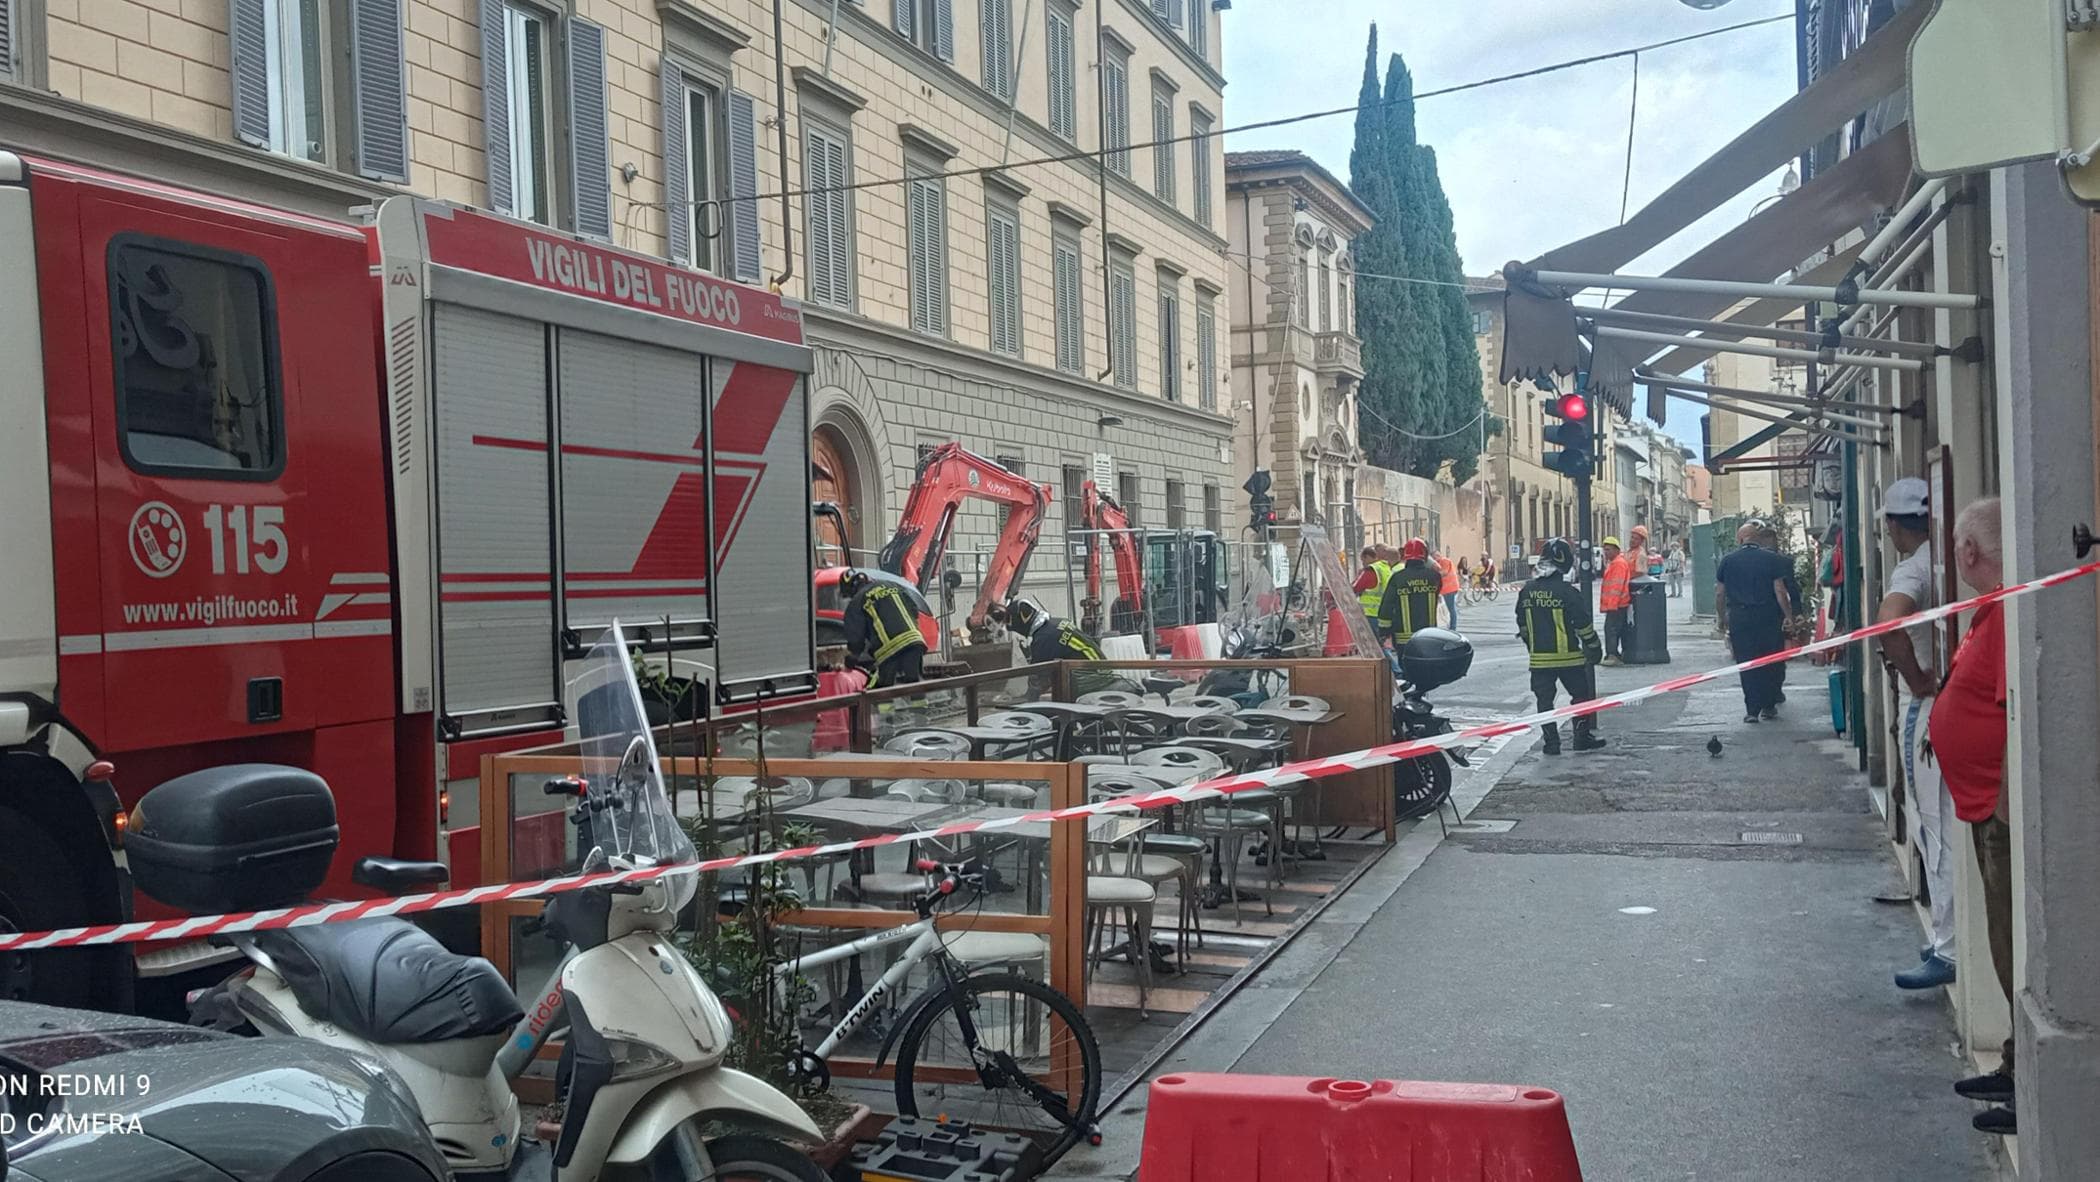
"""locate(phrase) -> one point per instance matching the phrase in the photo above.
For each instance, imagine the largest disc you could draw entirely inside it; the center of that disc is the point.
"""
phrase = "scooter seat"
(388, 981)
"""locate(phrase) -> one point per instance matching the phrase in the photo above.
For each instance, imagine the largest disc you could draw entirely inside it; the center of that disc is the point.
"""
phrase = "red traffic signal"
(1571, 406)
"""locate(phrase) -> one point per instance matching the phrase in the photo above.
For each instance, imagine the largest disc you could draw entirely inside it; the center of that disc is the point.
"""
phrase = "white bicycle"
(968, 1039)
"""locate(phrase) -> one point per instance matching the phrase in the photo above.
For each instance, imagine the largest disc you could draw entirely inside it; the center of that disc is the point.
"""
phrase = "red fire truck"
(350, 496)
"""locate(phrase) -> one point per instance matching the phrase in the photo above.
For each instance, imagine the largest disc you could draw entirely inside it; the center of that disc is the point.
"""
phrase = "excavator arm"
(950, 475)
(1100, 512)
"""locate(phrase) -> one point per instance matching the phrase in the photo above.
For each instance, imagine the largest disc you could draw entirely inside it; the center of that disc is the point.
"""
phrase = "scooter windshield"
(629, 819)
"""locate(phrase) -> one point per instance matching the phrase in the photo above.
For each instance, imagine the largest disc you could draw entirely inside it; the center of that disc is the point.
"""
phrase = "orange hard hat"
(1415, 548)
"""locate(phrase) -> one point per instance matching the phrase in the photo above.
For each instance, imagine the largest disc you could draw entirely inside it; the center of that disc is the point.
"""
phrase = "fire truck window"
(194, 339)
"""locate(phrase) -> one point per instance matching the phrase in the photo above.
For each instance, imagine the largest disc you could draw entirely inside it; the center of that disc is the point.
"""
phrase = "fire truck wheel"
(39, 890)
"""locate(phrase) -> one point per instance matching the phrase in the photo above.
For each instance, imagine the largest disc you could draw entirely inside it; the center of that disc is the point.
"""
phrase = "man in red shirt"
(1968, 741)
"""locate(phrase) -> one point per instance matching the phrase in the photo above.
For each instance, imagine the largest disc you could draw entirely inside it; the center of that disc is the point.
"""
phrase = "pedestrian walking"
(1554, 620)
(1906, 515)
(1615, 600)
(1968, 737)
(1447, 586)
(1673, 570)
(1755, 598)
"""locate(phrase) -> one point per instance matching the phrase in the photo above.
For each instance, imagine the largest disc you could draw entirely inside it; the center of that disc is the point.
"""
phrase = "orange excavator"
(950, 475)
(1099, 512)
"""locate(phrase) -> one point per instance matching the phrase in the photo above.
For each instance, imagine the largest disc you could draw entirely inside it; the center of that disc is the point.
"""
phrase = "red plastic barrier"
(1184, 643)
(1256, 1128)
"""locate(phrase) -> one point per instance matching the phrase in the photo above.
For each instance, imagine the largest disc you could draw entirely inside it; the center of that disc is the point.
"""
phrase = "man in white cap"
(1906, 513)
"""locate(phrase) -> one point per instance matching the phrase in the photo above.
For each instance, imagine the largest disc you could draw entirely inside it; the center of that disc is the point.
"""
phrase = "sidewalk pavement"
(1685, 947)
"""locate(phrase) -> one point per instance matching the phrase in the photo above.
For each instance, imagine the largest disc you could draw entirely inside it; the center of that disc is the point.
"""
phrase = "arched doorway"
(831, 478)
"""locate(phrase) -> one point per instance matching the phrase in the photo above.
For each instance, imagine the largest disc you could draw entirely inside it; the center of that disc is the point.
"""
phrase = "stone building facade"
(1062, 315)
(1296, 358)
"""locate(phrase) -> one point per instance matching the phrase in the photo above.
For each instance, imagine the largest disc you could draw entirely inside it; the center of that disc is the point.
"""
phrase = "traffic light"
(1573, 435)
(1261, 507)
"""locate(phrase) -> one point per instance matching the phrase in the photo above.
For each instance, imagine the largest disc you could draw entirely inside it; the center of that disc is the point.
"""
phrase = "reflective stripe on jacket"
(1554, 620)
(890, 621)
(1616, 591)
(1382, 572)
(1409, 604)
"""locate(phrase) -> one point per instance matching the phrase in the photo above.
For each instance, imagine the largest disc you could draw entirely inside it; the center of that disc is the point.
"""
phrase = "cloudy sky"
(1528, 165)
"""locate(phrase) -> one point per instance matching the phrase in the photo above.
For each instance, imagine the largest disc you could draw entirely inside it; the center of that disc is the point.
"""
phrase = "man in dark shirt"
(1756, 597)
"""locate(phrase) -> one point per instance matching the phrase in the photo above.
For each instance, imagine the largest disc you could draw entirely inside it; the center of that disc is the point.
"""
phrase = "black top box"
(243, 837)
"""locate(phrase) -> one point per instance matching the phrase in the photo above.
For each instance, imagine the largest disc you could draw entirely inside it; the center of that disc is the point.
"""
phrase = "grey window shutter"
(250, 54)
(944, 29)
(915, 242)
(7, 39)
(839, 206)
(590, 143)
(1063, 117)
(1206, 355)
(495, 105)
(1163, 154)
(995, 36)
(678, 213)
(937, 251)
(901, 16)
(817, 178)
(379, 90)
(1199, 29)
(1173, 13)
(1159, 9)
(743, 187)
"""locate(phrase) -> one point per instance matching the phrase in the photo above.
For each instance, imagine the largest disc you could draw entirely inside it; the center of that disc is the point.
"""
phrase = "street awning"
(1872, 73)
(1539, 324)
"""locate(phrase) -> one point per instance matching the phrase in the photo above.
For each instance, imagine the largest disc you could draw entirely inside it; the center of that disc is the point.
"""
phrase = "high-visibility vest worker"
(1616, 589)
(1370, 583)
(1409, 603)
(882, 628)
(1450, 570)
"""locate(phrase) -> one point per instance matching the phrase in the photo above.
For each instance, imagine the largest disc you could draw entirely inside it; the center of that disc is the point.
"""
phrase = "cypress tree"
(1382, 309)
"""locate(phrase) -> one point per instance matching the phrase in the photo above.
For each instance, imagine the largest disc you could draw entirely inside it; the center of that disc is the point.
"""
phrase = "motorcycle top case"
(243, 837)
(1434, 657)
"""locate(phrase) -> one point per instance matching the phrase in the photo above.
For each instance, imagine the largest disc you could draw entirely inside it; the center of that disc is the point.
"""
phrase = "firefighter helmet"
(1414, 549)
(1558, 554)
(1024, 616)
(853, 581)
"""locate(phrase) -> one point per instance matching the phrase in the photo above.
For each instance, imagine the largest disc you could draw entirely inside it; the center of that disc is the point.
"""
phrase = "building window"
(294, 71)
(928, 24)
(1064, 89)
(1309, 506)
(1127, 494)
(1341, 302)
(927, 233)
(1115, 101)
(827, 170)
(1168, 11)
(1175, 519)
(1169, 337)
(1003, 265)
(700, 114)
(527, 65)
(1213, 510)
(1304, 292)
(1483, 323)
(1326, 296)
(1207, 351)
(211, 409)
(1163, 149)
(1199, 162)
(1068, 293)
(1074, 478)
(1018, 467)
(1122, 336)
(995, 27)
(1199, 28)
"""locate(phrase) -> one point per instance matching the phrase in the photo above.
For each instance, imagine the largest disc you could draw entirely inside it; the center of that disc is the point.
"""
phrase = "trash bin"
(1649, 643)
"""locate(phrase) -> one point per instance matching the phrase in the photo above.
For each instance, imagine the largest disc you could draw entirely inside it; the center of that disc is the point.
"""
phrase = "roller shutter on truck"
(608, 438)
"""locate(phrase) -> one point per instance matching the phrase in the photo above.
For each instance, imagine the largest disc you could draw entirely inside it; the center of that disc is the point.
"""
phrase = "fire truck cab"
(350, 496)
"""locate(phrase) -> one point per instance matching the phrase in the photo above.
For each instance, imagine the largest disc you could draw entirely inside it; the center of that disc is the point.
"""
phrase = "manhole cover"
(1484, 827)
(1763, 838)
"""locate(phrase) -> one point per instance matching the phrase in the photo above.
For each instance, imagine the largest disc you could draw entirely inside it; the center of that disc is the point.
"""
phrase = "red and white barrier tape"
(199, 926)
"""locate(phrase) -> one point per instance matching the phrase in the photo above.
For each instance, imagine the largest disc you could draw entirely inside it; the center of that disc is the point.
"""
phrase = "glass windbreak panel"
(542, 842)
(534, 954)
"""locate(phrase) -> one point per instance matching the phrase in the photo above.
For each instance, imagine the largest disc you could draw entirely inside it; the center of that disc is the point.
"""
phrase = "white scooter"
(641, 1070)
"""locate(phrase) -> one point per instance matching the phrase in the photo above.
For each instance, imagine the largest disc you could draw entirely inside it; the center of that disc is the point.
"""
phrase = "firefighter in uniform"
(882, 630)
(1411, 592)
(1554, 620)
(1045, 637)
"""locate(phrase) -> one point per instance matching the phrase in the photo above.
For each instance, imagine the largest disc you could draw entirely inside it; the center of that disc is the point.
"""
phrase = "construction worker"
(1409, 603)
(1554, 620)
(1614, 599)
(882, 630)
(1370, 582)
(1448, 588)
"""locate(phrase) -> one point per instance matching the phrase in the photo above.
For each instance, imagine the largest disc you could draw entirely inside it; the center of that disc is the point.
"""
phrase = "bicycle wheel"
(1036, 1060)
